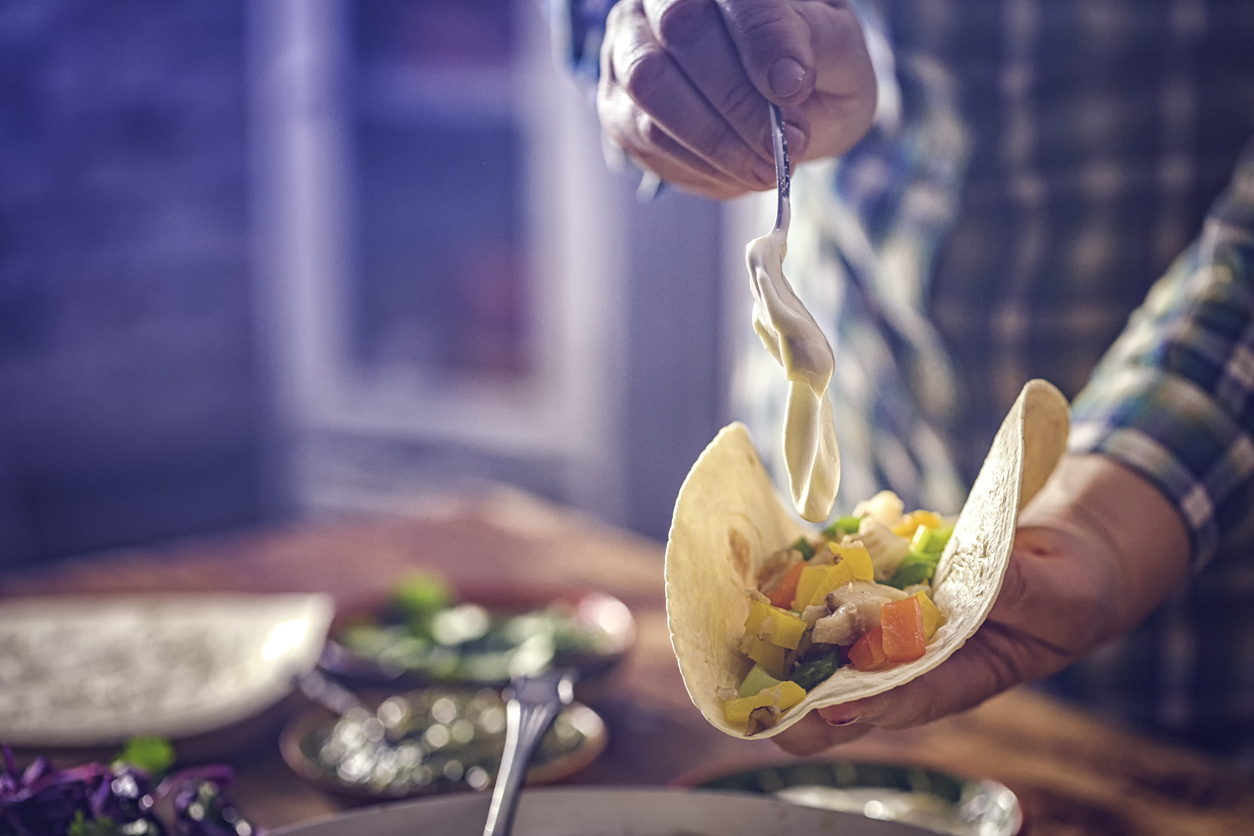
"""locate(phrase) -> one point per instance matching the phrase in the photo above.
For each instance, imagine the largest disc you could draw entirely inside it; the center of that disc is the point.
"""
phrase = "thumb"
(774, 45)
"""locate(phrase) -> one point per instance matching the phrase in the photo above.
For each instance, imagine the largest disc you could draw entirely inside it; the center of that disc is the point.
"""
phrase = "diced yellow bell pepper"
(777, 626)
(909, 523)
(785, 628)
(837, 576)
(790, 693)
(928, 518)
(811, 576)
(859, 560)
(737, 711)
(932, 617)
(769, 656)
(785, 696)
(759, 612)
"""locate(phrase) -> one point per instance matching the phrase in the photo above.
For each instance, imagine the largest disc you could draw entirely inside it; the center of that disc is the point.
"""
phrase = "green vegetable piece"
(421, 594)
(936, 538)
(755, 680)
(154, 755)
(803, 545)
(102, 826)
(842, 526)
(915, 567)
(811, 673)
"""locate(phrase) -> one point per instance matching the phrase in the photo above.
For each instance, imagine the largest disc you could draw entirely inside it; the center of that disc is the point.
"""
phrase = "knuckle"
(680, 22)
(763, 24)
(849, 32)
(621, 16)
(1003, 660)
(725, 145)
(643, 127)
(650, 132)
(643, 72)
(741, 100)
(610, 118)
(1004, 668)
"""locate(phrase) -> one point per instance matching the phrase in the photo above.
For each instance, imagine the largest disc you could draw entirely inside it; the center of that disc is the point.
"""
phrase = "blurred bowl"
(596, 632)
(93, 671)
(603, 812)
(935, 801)
(433, 740)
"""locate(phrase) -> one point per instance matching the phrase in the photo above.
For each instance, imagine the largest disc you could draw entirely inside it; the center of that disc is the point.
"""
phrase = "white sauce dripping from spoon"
(797, 343)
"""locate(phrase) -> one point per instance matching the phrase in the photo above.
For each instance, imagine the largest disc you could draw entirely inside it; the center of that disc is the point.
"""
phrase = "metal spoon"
(534, 702)
(783, 183)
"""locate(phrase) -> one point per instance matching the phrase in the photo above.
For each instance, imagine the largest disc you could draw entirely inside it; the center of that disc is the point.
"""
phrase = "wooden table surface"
(1074, 774)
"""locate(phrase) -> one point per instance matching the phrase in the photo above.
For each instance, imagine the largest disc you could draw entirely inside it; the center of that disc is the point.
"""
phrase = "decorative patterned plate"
(94, 671)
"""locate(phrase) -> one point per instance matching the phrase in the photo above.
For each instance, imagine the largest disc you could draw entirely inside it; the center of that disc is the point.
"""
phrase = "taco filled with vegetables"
(770, 618)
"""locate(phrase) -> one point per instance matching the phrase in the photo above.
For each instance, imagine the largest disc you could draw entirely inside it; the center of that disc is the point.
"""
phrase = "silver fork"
(783, 183)
(534, 702)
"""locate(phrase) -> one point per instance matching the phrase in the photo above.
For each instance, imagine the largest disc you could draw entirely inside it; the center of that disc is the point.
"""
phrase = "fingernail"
(786, 77)
(844, 721)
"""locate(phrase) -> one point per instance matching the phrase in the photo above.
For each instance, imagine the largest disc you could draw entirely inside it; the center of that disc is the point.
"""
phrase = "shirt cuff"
(1171, 431)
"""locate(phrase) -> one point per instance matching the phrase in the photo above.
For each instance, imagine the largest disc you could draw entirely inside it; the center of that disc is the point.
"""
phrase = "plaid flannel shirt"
(1035, 166)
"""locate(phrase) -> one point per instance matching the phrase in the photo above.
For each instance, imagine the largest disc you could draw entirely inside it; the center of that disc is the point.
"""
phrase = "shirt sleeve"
(1172, 398)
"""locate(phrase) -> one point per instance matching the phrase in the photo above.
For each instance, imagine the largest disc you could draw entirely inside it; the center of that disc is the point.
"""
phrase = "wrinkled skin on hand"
(685, 83)
(1096, 551)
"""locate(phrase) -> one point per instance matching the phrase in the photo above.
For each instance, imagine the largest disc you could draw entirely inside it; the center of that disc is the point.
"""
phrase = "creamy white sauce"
(795, 340)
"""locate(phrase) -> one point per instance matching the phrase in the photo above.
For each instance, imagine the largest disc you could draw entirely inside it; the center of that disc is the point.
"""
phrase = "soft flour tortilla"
(728, 519)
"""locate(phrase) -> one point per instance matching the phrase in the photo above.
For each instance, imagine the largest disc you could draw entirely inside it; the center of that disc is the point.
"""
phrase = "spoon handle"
(783, 182)
(534, 703)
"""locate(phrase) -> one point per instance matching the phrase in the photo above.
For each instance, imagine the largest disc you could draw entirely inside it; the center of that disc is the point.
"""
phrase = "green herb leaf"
(811, 673)
(422, 594)
(842, 526)
(803, 545)
(154, 755)
(102, 826)
(915, 567)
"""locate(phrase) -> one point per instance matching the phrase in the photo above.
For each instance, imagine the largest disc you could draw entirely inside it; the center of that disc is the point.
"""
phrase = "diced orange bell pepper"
(782, 595)
(904, 636)
(867, 653)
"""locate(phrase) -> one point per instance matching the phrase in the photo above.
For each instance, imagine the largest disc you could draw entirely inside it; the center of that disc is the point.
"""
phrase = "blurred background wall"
(129, 401)
(267, 259)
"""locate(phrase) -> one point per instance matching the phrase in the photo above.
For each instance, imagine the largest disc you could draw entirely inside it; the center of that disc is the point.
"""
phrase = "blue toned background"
(176, 359)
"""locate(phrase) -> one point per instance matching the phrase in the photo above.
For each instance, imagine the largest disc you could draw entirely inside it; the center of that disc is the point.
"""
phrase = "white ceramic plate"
(94, 671)
(604, 812)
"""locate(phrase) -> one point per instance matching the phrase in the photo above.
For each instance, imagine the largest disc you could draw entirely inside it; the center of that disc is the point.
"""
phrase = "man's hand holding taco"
(1095, 552)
